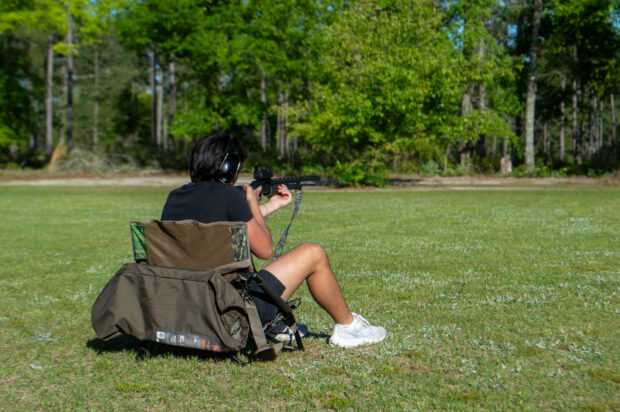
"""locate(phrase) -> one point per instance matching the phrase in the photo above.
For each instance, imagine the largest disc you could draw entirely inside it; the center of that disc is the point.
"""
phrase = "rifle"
(263, 177)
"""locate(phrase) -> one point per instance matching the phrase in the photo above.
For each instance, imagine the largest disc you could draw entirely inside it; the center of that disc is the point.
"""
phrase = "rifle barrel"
(296, 179)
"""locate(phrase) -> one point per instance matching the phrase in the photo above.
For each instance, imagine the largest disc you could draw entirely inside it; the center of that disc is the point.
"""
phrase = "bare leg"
(309, 262)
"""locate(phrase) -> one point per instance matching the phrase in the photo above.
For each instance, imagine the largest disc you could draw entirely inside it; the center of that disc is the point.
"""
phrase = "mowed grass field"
(493, 299)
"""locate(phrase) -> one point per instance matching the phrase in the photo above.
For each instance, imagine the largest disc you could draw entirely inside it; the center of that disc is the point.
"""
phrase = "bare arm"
(259, 234)
(282, 198)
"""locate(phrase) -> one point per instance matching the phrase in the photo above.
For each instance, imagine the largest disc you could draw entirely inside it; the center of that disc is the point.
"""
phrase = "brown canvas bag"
(190, 308)
(179, 292)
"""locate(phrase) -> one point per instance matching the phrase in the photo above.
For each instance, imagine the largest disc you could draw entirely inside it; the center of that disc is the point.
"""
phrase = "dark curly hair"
(208, 157)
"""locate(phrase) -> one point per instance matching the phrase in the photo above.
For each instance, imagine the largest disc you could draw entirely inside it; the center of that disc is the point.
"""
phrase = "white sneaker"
(357, 333)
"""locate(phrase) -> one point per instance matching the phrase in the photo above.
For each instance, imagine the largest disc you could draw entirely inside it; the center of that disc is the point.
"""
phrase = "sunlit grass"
(497, 299)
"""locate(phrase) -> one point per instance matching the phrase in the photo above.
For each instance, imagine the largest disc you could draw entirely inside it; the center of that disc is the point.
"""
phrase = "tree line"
(357, 89)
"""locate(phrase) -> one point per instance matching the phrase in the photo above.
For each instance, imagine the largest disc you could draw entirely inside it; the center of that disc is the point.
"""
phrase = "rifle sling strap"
(278, 251)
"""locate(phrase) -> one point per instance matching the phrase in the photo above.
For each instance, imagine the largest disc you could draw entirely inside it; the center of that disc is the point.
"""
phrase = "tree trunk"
(289, 152)
(49, 106)
(263, 99)
(482, 102)
(530, 105)
(164, 121)
(70, 84)
(279, 137)
(593, 125)
(546, 142)
(601, 125)
(160, 108)
(563, 125)
(583, 133)
(463, 147)
(153, 86)
(482, 140)
(62, 138)
(613, 119)
(33, 134)
(172, 96)
(96, 100)
(185, 99)
(576, 146)
(506, 161)
(282, 127)
(293, 145)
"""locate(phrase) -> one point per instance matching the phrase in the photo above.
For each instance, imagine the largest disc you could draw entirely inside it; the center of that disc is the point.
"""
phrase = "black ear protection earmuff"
(229, 170)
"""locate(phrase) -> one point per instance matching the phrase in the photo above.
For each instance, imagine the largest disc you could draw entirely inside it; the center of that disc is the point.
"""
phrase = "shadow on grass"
(315, 335)
(147, 349)
(120, 344)
(407, 181)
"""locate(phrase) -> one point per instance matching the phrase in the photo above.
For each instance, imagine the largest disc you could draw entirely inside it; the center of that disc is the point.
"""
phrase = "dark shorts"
(267, 310)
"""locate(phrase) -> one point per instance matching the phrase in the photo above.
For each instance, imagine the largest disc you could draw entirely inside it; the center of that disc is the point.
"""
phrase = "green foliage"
(544, 170)
(16, 110)
(349, 84)
(458, 170)
(196, 121)
(80, 160)
(392, 83)
(6, 136)
(360, 172)
(430, 168)
(171, 27)
(607, 159)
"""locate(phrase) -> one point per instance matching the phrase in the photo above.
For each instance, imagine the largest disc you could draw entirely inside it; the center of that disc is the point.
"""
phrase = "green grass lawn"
(493, 299)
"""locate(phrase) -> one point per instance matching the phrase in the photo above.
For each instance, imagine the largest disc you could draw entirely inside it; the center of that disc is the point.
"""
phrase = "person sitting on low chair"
(210, 197)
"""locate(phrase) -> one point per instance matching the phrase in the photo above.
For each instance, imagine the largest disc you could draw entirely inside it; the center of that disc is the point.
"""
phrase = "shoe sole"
(354, 344)
(285, 337)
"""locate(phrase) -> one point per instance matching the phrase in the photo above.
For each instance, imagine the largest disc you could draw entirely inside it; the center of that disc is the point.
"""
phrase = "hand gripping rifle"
(269, 187)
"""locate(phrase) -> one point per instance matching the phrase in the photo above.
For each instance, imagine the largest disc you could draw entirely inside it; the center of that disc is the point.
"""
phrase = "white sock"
(350, 324)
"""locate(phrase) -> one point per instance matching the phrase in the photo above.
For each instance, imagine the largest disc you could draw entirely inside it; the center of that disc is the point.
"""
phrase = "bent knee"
(316, 251)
